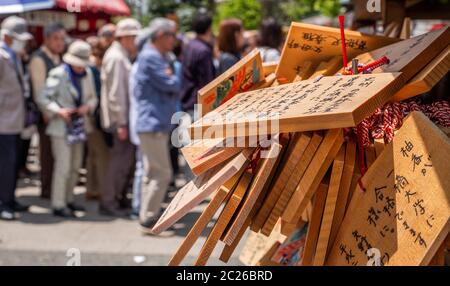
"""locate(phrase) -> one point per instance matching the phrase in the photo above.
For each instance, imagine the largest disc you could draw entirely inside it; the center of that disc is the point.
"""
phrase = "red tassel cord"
(374, 65)
(368, 68)
(384, 121)
(343, 43)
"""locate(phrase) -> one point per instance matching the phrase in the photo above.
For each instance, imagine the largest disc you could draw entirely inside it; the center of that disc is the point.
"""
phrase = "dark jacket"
(198, 71)
(226, 61)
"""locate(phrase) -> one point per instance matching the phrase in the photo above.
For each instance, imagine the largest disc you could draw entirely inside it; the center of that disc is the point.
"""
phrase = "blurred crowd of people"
(113, 96)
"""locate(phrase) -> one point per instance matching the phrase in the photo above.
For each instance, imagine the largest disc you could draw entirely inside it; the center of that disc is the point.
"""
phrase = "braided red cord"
(384, 121)
(373, 65)
(368, 68)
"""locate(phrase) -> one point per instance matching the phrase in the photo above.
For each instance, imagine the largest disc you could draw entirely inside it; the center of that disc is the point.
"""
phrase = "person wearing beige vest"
(67, 99)
(114, 108)
(47, 57)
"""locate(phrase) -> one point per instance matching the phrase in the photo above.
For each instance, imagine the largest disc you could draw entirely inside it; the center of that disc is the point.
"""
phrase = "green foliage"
(249, 11)
(298, 9)
(185, 10)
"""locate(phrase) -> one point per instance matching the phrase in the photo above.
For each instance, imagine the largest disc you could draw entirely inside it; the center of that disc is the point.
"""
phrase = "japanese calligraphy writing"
(405, 213)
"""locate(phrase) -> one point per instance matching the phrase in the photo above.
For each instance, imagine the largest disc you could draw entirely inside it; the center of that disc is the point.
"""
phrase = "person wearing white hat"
(14, 37)
(67, 99)
(114, 107)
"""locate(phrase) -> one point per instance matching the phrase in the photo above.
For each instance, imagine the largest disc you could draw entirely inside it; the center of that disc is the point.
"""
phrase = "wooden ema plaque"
(229, 249)
(379, 146)
(266, 260)
(295, 151)
(199, 189)
(371, 155)
(313, 175)
(206, 154)
(427, 78)
(269, 68)
(307, 42)
(241, 77)
(290, 252)
(410, 56)
(404, 215)
(314, 225)
(330, 208)
(287, 141)
(257, 245)
(224, 219)
(287, 228)
(199, 226)
(328, 68)
(312, 143)
(332, 102)
(267, 82)
(344, 190)
(259, 182)
(222, 195)
(439, 257)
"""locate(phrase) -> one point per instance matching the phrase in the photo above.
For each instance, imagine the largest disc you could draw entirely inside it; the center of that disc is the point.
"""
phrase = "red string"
(384, 121)
(344, 50)
(373, 65)
(368, 68)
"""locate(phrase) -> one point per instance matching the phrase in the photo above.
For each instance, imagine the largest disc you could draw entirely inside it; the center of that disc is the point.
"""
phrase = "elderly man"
(14, 36)
(156, 92)
(47, 57)
(115, 73)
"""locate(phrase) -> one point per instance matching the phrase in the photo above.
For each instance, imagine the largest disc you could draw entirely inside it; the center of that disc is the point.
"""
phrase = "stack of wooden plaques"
(276, 159)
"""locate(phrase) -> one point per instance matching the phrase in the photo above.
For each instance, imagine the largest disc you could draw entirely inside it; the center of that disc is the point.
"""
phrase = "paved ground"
(38, 238)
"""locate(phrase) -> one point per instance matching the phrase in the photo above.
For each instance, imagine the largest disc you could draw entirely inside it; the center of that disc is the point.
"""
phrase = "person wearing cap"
(67, 100)
(114, 108)
(47, 57)
(14, 37)
(156, 92)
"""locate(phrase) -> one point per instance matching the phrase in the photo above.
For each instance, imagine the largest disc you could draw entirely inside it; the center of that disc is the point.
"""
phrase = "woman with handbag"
(67, 99)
